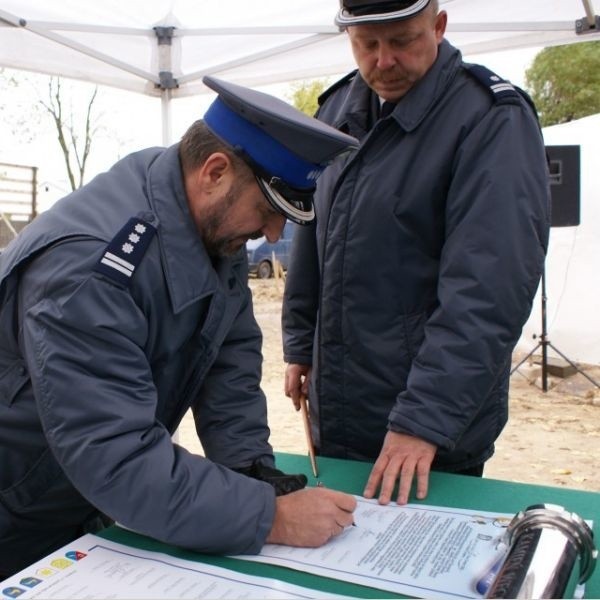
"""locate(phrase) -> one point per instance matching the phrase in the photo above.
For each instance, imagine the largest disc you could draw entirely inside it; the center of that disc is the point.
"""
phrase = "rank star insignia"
(125, 251)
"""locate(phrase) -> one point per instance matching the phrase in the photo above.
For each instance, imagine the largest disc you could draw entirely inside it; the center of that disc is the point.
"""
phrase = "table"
(455, 491)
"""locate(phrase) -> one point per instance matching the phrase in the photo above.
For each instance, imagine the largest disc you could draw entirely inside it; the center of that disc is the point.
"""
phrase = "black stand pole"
(545, 343)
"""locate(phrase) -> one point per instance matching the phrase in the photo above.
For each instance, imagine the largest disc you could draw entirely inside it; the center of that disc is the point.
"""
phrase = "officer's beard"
(214, 221)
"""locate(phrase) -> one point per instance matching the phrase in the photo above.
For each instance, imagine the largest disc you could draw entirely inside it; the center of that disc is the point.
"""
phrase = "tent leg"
(589, 12)
(167, 133)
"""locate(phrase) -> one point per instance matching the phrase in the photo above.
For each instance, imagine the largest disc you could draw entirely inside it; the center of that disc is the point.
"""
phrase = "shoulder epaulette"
(500, 89)
(336, 86)
(126, 250)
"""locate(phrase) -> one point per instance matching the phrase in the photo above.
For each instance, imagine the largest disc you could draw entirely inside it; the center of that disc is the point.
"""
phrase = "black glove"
(283, 484)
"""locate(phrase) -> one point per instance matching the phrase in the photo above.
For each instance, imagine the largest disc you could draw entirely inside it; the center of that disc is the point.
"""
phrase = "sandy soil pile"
(552, 438)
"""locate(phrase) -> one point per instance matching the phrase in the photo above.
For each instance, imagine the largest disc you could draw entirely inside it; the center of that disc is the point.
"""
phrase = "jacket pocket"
(12, 379)
(43, 474)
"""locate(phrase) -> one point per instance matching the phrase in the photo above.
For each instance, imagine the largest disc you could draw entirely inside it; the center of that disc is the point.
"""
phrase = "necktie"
(386, 109)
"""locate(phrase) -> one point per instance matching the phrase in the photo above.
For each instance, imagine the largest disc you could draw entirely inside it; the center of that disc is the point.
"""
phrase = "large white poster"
(417, 550)
(92, 567)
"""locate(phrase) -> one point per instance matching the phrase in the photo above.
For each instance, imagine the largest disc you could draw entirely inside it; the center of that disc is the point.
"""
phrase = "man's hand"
(401, 457)
(296, 382)
(310, 517)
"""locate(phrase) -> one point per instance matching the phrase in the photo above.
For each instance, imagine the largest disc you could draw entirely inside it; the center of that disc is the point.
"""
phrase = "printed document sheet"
(92, 567)
(416, 550)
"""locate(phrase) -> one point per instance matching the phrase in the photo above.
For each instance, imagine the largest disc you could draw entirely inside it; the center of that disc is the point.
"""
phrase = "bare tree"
(75, 144)
(36, 104)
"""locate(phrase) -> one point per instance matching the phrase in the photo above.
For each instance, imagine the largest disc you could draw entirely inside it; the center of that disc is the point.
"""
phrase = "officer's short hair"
(199, 142)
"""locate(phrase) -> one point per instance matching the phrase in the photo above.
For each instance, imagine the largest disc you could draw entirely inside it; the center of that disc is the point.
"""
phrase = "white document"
(92, 567)
(416, 550)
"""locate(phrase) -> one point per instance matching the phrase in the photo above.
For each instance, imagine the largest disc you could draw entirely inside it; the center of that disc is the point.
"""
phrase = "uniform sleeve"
(300, 299)
(83, 340)
(497, 226)
(231, 409)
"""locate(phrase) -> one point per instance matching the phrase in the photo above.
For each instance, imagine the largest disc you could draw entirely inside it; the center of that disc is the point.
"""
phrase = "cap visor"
(300, 210)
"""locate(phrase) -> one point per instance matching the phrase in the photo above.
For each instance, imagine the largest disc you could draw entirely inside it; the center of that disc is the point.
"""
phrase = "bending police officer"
(127, 303)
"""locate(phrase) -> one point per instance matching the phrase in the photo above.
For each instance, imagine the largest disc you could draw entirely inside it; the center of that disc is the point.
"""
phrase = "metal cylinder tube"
(545, 543)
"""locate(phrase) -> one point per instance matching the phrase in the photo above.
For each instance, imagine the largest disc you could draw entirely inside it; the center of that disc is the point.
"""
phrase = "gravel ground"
(552, 438)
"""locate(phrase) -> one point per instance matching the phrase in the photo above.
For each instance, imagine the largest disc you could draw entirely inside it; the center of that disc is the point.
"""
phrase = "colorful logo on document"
(61, 563)
(44, 572)
(13, 591)
(30, 581)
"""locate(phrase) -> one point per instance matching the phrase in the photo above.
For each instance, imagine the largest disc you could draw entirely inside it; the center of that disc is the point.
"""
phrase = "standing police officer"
(127, 303)
(404, 300)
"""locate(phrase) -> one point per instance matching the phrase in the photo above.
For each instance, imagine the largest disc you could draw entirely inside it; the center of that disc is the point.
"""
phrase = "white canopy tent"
(164, 47)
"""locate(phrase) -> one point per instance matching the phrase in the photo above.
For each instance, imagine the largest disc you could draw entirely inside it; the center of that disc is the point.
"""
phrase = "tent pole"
(164, 39)
(167, 130)
(589, 12)
(590, 23)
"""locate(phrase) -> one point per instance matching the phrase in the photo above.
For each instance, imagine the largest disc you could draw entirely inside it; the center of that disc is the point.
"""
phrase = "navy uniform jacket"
(98, 368)
(420, 272)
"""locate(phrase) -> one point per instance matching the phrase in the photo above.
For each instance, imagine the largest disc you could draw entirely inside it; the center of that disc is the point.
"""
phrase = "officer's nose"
(385, 57)
(273, 227)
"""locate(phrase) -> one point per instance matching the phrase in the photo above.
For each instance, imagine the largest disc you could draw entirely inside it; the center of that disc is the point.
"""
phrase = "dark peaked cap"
(286, 149)
(369, 12)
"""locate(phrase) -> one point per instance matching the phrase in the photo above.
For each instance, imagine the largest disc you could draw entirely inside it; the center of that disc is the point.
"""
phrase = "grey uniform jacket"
(421, 269)
(97, 370)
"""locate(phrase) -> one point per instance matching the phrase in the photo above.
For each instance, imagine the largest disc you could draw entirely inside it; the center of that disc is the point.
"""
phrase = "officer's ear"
(215, 173)
(441, 20)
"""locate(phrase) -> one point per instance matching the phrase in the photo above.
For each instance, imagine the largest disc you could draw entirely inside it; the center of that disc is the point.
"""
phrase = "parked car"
(260, 253)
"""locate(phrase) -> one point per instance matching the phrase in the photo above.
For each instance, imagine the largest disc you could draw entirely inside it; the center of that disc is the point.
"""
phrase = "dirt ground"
(552, 438)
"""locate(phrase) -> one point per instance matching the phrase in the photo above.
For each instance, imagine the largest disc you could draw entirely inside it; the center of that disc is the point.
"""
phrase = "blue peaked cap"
(266, 151)
(286, 149)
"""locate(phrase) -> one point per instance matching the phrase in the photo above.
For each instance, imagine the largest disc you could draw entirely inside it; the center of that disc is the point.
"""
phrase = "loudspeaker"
(564, 163)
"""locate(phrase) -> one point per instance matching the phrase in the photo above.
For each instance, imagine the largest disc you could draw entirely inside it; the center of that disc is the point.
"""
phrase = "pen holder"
(545, 542)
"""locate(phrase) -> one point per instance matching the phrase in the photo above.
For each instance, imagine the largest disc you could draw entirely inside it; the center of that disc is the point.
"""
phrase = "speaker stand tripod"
(545, 343)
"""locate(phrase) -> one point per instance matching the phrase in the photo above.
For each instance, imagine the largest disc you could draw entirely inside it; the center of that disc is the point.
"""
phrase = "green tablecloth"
(454, 491)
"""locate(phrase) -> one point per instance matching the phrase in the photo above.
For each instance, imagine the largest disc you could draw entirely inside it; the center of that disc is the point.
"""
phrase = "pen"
(483, 584)
(309, 442)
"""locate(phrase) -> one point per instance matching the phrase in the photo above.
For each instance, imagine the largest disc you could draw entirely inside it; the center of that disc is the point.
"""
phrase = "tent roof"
(114, 42)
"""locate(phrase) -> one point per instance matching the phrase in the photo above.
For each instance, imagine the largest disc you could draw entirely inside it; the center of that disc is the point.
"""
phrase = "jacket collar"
(356, 113)
(188, 268)
(419, 101)
(359, 110)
